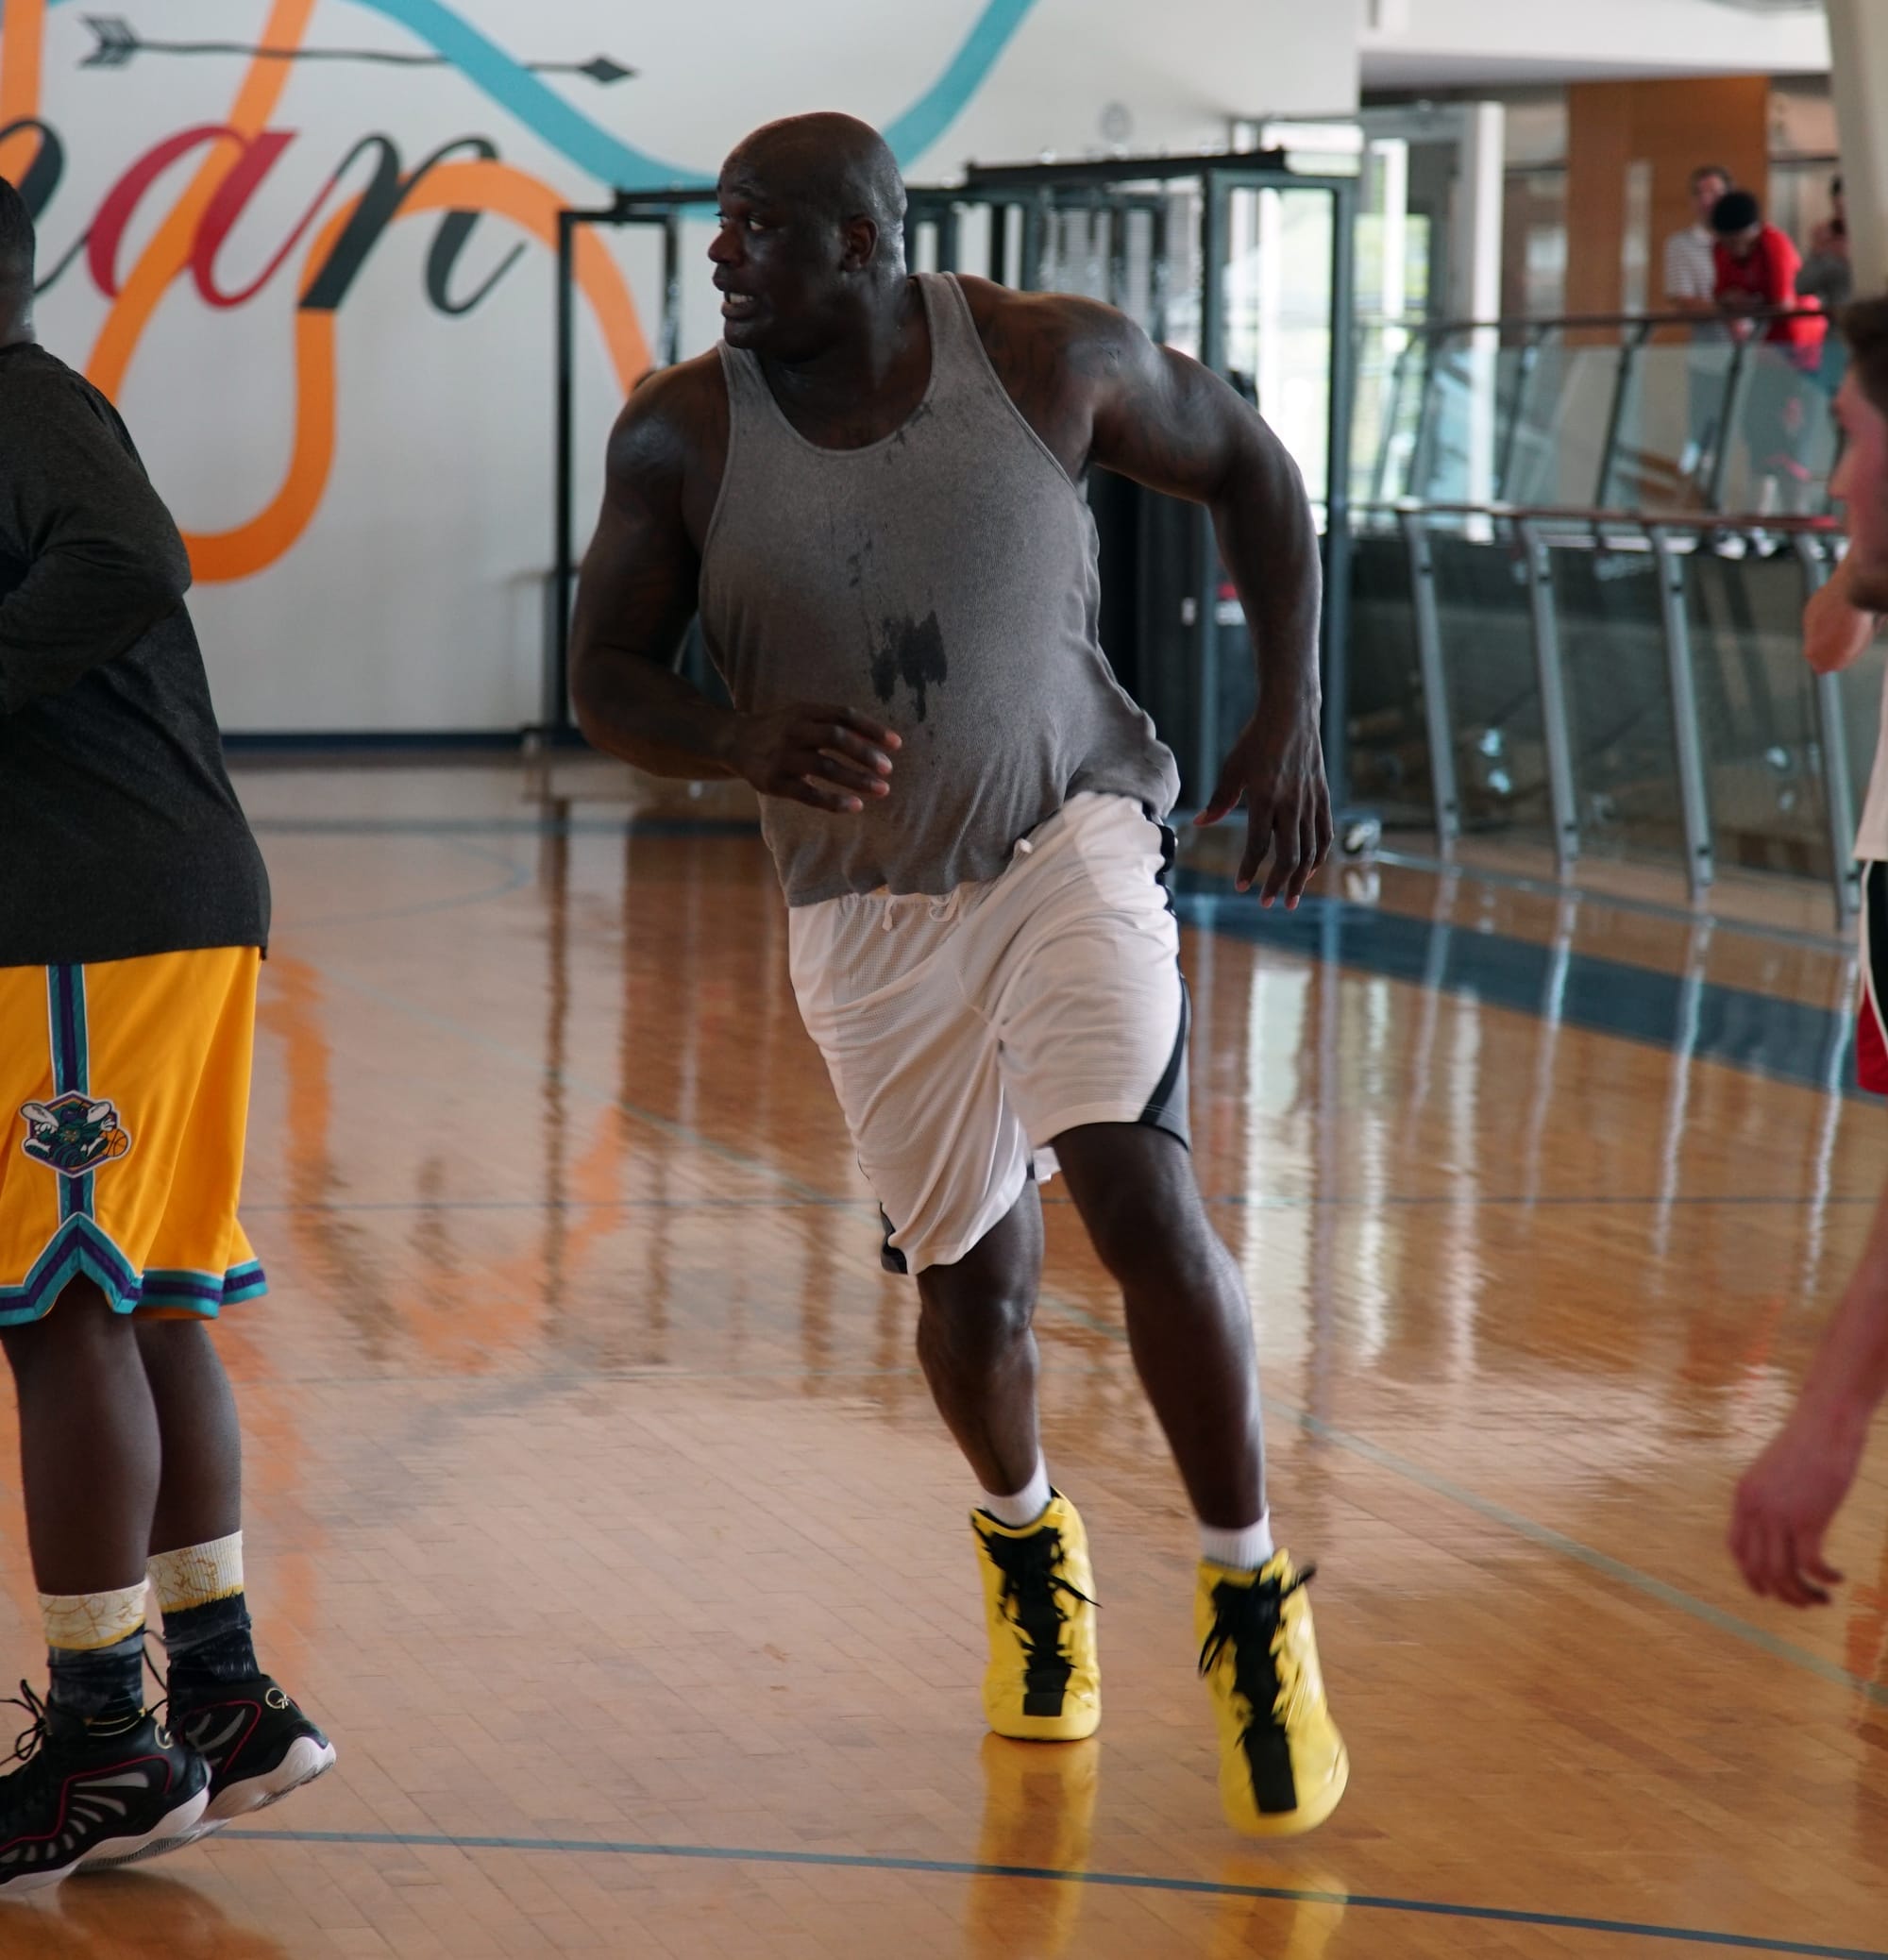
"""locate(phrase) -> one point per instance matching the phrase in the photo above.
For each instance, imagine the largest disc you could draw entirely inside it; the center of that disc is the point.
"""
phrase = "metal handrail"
(1539, 323)
(1536, 530)
(1590, 517)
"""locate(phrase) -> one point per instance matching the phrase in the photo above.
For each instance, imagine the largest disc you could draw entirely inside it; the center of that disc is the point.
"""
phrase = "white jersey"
(1691, 265)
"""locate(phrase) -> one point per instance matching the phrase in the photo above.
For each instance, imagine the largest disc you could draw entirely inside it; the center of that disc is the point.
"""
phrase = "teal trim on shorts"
(81, 1249)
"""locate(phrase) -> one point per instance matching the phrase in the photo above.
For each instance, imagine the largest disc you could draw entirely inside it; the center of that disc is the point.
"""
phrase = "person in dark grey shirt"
(134, 907)
(122, 833)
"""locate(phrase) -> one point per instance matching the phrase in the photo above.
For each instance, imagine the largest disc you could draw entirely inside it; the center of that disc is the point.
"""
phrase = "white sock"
(1026, 1506)
(197, 1574)
(1238, 1552)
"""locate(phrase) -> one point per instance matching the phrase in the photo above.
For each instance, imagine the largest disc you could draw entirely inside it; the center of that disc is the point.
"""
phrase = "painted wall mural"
(306, 243)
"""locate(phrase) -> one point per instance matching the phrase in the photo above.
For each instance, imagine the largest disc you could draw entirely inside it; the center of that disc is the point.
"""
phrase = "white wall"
(407, 597)
(1455, 43)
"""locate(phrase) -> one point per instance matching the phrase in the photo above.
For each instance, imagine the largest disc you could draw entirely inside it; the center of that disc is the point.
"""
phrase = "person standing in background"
(1691, 287)
(1691, 255)
(1827, 276)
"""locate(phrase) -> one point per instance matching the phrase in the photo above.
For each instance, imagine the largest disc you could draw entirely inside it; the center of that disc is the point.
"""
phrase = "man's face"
(779, 267)
(1705, 194)
(1860, 485)
(1744, 242)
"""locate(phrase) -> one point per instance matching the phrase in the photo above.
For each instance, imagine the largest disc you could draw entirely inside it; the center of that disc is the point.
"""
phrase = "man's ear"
(862, 245)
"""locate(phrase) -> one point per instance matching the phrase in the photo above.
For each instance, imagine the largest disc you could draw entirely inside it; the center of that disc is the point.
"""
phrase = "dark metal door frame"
(1219, 175)
(666, 209)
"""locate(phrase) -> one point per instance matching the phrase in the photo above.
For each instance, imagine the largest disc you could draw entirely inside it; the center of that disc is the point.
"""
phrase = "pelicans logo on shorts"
(74, 1134)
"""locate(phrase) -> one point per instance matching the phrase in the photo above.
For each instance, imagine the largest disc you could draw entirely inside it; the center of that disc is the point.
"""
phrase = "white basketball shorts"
(965, 1034)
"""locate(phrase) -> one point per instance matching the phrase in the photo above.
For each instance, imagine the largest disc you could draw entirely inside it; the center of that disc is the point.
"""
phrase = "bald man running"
(872, 494)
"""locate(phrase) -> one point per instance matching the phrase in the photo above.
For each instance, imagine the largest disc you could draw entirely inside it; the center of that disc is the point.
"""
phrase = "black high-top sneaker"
(258, 1743)
(91, 1795)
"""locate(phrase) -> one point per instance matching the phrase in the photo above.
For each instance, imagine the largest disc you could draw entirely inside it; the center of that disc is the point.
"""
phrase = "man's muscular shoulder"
(671, 442)
(675, 416)
(1056, 355)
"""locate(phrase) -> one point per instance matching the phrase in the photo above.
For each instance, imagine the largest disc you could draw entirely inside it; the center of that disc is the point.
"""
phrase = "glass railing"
(1607, 681)
(1658, 411)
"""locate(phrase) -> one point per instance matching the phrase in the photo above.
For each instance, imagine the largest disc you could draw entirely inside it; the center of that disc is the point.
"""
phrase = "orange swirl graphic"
(22, 39)
(495, 188)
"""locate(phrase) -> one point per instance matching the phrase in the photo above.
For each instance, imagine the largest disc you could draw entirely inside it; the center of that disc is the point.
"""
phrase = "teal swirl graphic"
(622, 166)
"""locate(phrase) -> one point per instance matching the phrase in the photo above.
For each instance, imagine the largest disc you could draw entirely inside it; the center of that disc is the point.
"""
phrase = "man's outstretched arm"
(1789, 1496)
(1170, 423)
(634, 599)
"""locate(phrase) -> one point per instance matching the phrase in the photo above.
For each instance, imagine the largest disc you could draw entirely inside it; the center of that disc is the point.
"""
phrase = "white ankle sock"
(1238, 1552)
(1026, 1506)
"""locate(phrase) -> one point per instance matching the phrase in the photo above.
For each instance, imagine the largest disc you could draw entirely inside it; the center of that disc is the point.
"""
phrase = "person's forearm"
(1849, 1376)
(1270, 543)
(647, 714)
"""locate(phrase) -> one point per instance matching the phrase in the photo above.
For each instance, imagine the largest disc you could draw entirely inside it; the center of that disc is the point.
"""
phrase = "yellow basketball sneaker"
(1283, 1765)
(1043, 1683)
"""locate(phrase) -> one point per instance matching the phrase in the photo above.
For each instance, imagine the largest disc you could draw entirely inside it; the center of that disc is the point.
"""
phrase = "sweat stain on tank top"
(911, 650)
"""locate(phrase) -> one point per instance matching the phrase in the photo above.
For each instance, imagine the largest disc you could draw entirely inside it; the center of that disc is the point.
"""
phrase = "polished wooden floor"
(595, 1505)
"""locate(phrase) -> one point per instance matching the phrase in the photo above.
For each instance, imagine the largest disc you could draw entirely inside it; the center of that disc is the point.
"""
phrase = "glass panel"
(1564, 412)
(1757, 711)
(1468, 401)
(1669, 422)
(1390, 743)
(1494, 696)
(1782, 438)
(1619, 700)
(1277, 295)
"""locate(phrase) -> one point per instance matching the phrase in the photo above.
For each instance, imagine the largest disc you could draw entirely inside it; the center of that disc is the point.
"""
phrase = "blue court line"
(622, 166)
(1588, 896)
(1784, 1040)
(1124, 1880)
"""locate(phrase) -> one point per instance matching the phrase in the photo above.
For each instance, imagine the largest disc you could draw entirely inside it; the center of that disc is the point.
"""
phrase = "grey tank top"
(945, 581)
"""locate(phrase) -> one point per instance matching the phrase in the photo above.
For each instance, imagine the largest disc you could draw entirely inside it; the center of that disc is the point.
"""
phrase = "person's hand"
(1836, 633)
(1785, 1502)
(1277, 765)
(829, 758)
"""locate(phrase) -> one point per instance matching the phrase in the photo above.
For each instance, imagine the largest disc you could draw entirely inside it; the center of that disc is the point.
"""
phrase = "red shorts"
(1871, 1030)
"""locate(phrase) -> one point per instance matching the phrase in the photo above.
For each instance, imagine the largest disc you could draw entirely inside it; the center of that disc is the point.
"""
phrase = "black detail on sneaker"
(258, 1743)
(1247, 1619)
(1032, 1581)
(93, 1794)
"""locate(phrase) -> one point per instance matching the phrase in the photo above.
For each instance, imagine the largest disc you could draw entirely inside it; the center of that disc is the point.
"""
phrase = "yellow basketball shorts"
(124, 1096)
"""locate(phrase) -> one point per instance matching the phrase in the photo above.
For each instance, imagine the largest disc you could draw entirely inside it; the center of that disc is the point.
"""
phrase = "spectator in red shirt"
(1757, 268)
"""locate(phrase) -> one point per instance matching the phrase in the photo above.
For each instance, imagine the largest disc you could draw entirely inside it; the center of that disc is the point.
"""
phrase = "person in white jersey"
(1789, 1496)
(872, 494)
